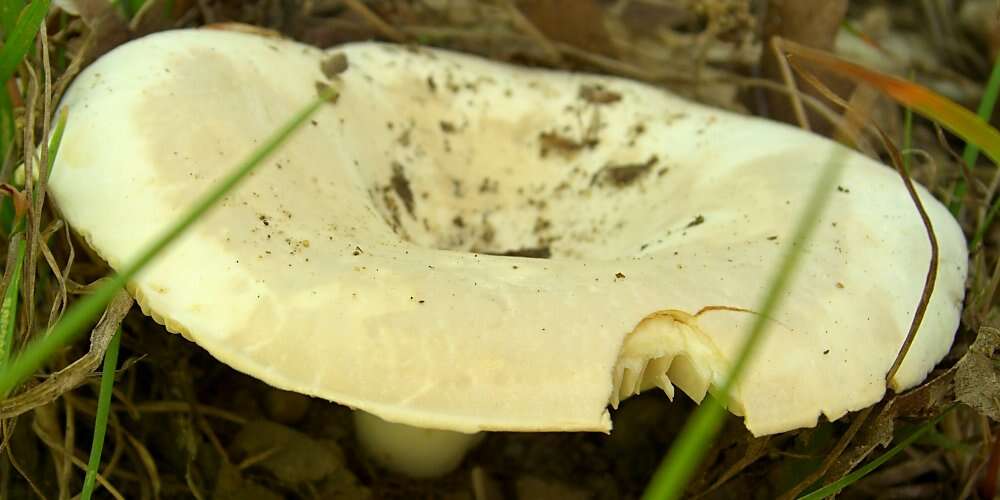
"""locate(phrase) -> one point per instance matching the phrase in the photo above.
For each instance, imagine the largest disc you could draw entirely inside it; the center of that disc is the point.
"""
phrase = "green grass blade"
(56, 141)
(971, 152)
(84, 311)
(672, 475)
(19, 40)
(7, 127)
(977, 238)
(937, 439)
(130, 7)
(835, 487)
(8, 308)
(101, 420)
(9, 10)
(951, 115)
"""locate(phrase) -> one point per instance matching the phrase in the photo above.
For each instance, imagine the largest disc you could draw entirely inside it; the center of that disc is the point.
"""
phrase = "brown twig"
(984, 302)
(597, 61)
(778, 47)
(33, 217)
(965, 169)
(384, 28)
(207, 14)
(552, 53)
(831, 457)
(926, 294)
(62, 295)
(181, 407)
(931, 277)
(76, 373)
(897, 161)
(755, 449)
(76, 461)
(74, 67)
(148, 463)
(69, 441)
(8, 426)
(209, 433)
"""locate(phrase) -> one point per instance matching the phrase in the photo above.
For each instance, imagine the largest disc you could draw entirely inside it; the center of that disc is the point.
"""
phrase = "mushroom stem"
(414, 451)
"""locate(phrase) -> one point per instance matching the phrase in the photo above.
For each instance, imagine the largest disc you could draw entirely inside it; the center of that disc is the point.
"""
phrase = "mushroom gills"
(666, 349)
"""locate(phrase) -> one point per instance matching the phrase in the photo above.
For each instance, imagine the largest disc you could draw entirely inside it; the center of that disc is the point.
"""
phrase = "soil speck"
(401, 186)
(334, 65)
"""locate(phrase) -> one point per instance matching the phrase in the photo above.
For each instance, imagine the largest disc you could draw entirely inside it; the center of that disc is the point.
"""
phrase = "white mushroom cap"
(345, 267)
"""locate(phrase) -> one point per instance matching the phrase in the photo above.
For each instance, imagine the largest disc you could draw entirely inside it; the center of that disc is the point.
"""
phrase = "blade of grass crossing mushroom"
(18, 41)
(835, 487)
(971, 152)
(9, 10)
(101, 419)
(56, 140)
(694, 440)
(84, 311)
(8, 308)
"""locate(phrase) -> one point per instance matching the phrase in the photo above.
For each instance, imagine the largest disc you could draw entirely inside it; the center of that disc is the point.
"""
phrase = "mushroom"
(463, 245)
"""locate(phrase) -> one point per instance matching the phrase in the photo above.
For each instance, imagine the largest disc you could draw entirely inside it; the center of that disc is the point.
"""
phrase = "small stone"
(288, 455)
(286, 407)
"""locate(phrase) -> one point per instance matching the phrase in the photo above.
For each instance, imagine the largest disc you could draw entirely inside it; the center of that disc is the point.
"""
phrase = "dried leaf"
(230, 485)
(927, 399)
(106, 21)
(76, 373)
(813, 24)
(289, 455)
(754, 450)
(922, 401)
(977, 376)
(579, 23)
(343, 484)
(878, 432)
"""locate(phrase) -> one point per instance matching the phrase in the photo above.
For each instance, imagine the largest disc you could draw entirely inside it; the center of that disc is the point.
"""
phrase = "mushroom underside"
(465, 245)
